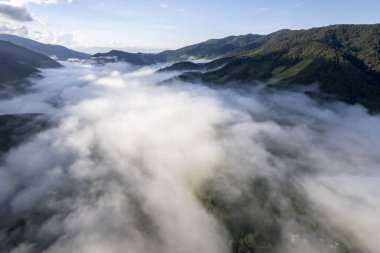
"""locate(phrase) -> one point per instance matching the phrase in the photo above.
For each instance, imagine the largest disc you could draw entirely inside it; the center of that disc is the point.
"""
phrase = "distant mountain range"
(60, 52)
(211, 49)
(17, 62)
(343, 59)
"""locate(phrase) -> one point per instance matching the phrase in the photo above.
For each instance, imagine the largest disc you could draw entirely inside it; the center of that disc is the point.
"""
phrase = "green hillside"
(215, 48)
(344, 59)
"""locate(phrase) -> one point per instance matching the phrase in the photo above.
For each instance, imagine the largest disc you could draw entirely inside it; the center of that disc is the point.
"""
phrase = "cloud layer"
(18, 13)
(126, 164)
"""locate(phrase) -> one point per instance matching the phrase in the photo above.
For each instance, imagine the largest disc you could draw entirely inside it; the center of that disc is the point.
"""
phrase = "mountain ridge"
(17, 62)
(344, 59)
(61, 52)
(212, 48)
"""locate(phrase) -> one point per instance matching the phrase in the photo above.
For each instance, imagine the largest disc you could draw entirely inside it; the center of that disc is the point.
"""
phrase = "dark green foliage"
(15, 129)
(250, 219)
(344, 59)
(255, 218)
(194, 67)
(183, 66)
(216, 48)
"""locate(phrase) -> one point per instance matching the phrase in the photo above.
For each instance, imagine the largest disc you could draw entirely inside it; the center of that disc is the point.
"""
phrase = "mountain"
(17, 62)
(343, 59)
(62, 53)
(132, 58)
(215, 48)
(210, 49)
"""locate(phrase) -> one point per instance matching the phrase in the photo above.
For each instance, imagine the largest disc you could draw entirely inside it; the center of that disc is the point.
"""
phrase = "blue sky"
(155, 25)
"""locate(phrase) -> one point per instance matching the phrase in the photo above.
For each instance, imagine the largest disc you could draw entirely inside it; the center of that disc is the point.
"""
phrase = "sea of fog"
(130, 163)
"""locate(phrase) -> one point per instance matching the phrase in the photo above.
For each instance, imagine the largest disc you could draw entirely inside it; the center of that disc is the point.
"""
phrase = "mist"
(129, 163)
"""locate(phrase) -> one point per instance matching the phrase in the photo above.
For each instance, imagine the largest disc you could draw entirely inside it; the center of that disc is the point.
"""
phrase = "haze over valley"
(255, 143)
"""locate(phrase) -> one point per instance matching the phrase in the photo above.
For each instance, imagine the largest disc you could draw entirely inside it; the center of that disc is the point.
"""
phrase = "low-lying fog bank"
(129, 165)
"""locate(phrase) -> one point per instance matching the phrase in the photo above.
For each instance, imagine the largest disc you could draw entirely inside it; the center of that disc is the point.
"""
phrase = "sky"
(154, 25)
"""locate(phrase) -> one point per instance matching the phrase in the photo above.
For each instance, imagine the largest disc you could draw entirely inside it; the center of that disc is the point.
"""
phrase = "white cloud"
(40, 19)
(298, 5)
(120, 166)
(66, 38)
(15, 12)
(164, 6)
(18, 11)
(13, 28)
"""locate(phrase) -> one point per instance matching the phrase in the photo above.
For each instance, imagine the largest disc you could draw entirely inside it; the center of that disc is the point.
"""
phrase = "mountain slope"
(17, 62)
(11, 70)
(211, 49)
(344, 59)
(132, 58)
(216, 48)
(62, 53)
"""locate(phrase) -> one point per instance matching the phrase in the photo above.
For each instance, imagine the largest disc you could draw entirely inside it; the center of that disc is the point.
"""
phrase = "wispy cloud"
(164, 5)
(14, 29)
(17, 10)
(300, 4)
